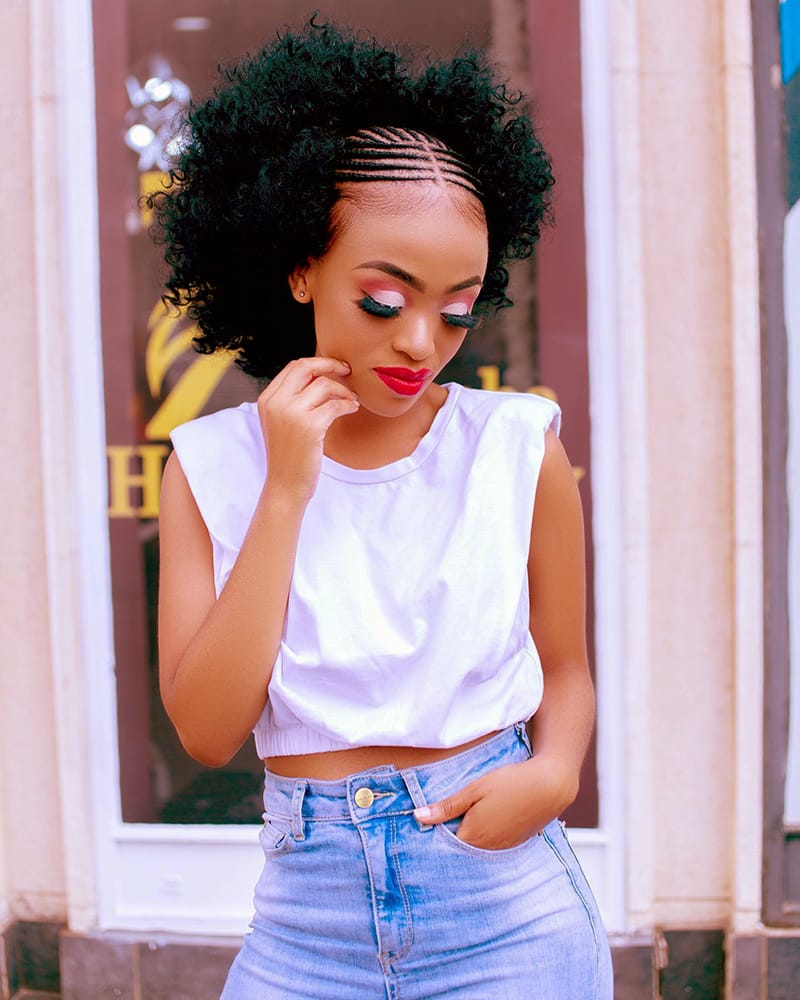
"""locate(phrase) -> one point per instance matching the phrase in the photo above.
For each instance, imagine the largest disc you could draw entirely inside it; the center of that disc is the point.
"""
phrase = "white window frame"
(791, 261)
(199, 879)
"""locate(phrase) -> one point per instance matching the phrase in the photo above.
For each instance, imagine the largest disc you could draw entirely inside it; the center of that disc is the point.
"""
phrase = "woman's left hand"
(508, 805)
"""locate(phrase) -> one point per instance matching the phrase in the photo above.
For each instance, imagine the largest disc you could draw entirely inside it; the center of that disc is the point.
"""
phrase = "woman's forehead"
(413, 225)
(373, 201)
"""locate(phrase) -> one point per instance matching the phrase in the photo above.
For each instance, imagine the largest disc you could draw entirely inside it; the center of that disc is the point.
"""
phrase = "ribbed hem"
(297, 740)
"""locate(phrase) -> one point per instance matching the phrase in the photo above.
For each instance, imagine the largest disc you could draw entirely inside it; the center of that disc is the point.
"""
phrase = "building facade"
(660, 312)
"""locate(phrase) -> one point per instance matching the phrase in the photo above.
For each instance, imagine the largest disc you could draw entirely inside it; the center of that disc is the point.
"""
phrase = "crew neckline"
(401, 467)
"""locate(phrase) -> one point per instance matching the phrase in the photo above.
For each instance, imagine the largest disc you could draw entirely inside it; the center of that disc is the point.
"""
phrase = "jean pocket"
(448, 829)
(276, 835)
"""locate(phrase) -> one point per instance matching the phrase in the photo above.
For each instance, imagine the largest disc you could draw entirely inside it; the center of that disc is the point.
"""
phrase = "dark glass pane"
(151, 56)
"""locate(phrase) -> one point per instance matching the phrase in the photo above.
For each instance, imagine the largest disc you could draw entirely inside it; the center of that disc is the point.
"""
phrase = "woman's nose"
(415, 337)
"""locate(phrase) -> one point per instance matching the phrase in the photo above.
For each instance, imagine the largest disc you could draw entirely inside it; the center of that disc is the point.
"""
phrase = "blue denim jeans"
(357, 901)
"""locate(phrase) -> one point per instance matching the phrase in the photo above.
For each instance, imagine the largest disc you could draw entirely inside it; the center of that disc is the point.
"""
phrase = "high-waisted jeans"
(357, 901)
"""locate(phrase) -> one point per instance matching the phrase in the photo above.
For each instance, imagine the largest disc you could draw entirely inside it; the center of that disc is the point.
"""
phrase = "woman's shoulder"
(223, 459)
(529, 409)
(222, 428)
(208, 426)
(225, 439)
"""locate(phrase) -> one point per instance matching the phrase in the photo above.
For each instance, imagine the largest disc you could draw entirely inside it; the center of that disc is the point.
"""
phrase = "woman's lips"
(404, 381)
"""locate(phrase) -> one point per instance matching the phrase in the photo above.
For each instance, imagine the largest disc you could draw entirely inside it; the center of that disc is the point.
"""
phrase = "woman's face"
(393, 296)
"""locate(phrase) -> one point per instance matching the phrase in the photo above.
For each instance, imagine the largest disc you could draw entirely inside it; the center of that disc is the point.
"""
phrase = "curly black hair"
(252, 192)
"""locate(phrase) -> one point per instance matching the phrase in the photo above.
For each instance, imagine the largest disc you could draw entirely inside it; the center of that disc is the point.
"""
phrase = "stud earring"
(302, 295)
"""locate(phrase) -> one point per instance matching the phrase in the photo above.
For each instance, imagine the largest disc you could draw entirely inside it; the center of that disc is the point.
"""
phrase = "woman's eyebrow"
(397, 272)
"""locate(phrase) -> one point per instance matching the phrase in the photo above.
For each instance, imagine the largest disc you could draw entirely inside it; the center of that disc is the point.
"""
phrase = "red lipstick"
(404, 381)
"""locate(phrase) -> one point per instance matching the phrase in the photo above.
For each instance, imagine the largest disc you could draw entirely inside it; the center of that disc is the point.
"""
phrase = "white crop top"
(408, 616)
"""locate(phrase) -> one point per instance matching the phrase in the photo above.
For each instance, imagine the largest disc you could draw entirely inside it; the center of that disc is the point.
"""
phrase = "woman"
(355, 568)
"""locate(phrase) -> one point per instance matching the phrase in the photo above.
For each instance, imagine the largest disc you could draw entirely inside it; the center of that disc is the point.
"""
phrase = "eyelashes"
(375, 308)
(382, 310)
(465, 320)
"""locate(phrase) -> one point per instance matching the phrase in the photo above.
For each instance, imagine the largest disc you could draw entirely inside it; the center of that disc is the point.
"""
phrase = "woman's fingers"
(298, 374)
(335, 408)
(321, 403)
(296, 410)
(450, 807)
(321, 390)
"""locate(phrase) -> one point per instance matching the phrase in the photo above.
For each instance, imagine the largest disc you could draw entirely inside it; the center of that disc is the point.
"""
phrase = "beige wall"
(686, 244)
(31, 859)
(688, 329)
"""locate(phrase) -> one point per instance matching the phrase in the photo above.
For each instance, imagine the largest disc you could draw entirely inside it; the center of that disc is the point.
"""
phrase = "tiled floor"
(93, 967)
(30, 958)
(634, 975)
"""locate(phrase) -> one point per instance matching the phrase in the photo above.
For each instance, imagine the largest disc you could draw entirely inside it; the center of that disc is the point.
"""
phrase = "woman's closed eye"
(384, 303)
(458, 314)
(387, 304)
(466, 320)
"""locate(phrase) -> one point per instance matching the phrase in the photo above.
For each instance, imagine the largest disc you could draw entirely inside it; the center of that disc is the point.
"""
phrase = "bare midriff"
(334, 764)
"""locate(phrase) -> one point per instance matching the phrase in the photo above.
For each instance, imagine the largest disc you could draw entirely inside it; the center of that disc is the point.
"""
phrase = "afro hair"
(252, 191)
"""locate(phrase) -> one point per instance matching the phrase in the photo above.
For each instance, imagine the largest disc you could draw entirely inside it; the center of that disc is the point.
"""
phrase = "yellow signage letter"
(121, 480)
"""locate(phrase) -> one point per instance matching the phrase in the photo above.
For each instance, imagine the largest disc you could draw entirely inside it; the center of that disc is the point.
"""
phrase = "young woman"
(382, 577)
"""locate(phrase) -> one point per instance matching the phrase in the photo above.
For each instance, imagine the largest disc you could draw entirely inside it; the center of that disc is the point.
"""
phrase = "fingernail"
(347, 366)
(423, 813)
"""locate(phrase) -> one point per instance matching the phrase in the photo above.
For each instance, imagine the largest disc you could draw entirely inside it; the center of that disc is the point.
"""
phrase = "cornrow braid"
(392, 154)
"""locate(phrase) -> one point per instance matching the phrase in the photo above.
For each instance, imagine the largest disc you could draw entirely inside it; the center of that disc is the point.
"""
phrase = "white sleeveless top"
(408, 616)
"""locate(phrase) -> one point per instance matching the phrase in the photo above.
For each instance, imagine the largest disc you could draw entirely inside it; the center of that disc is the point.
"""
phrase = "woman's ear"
(298, 283)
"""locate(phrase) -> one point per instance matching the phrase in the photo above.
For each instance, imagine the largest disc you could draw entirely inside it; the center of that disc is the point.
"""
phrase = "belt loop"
(522, 732)
(298, 832)
(409, 776)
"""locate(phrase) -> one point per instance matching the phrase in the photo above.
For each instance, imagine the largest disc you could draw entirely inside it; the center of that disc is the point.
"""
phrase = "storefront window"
(152, 58)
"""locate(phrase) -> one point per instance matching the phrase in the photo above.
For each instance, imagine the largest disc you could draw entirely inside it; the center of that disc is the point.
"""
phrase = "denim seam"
(375, 918)
(311, 819)
(524, 738)
(298, 829)
(384, 815)
(345, 817)
(582, 897)
(392, 984)
(401, 954)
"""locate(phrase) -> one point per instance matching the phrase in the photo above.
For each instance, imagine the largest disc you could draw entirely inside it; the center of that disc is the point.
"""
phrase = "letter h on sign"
(122, 479)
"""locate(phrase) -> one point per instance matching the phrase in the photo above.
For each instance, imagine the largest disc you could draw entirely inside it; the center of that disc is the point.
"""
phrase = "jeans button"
(364, 798)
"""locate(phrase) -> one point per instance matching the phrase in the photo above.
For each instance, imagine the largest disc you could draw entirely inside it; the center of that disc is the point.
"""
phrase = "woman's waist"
(334, 765)
(386, 788)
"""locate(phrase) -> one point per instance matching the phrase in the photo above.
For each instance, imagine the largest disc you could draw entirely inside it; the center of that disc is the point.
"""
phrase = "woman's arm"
(506, 806)
(216, 655)
(562, 726)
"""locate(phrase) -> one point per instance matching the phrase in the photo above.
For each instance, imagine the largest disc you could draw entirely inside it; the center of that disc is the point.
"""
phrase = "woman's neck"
(366, 440)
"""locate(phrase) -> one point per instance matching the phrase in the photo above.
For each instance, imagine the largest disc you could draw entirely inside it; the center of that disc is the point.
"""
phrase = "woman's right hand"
(296, 410)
